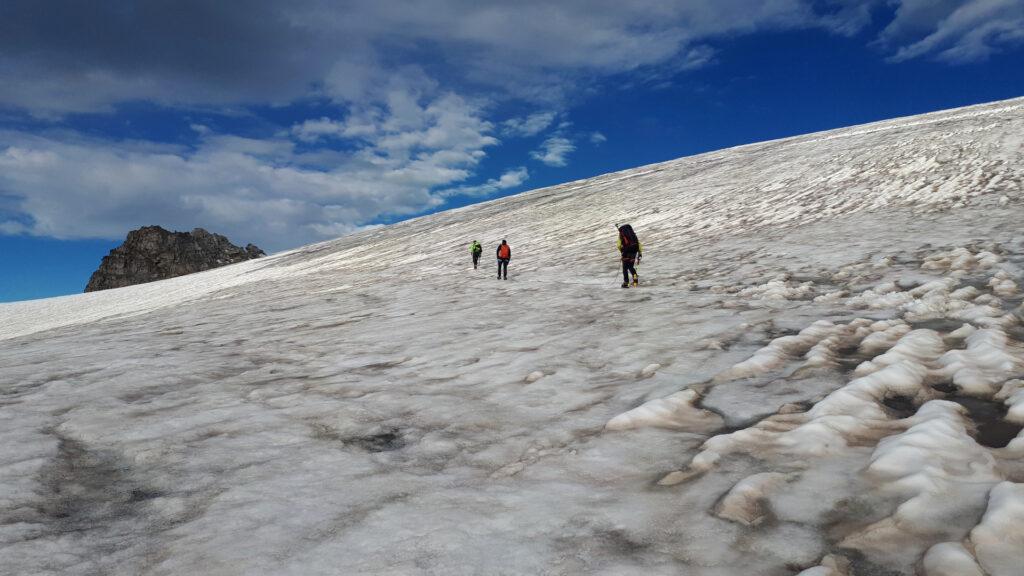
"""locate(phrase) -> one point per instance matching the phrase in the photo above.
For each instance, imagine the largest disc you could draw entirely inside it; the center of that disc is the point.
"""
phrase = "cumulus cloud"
(510, 179)
(66, 185)
(65, 56)
(554, 151)
(69, 56)
(12, 227)
(955, 31)
(529, 126)
(324, 127)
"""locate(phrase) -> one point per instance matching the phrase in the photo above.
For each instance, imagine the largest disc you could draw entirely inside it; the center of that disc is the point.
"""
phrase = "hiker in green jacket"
(476, 250)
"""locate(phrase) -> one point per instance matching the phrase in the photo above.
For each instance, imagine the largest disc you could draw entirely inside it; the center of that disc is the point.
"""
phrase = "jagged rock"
(152, 253)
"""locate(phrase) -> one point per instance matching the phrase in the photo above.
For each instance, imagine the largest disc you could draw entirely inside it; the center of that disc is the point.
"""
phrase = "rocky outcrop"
(152, 253)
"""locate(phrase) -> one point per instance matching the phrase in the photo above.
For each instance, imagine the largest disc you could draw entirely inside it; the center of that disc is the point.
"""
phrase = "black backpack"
(630, 244)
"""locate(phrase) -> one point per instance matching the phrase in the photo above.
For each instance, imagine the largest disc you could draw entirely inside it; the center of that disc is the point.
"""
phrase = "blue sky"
(288, 123)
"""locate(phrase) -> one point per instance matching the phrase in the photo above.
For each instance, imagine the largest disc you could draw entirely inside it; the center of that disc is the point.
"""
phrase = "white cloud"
(596, 138)
(54, 61)
(510, 179)
(955, 31)
(313, 130)
(529, 126)
(264, 191)
(553, 151)
(13, 228)
(693, 58)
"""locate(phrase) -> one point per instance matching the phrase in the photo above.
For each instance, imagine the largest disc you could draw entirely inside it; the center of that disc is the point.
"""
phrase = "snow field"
(820, 374)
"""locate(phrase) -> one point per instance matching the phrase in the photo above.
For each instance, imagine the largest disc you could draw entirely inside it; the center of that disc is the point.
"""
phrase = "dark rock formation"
(152, 253)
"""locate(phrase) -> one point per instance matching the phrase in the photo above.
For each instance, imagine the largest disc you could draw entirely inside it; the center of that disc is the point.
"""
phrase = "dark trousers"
(627, 267)
(503, 267)
(628, 260)
(476, 258)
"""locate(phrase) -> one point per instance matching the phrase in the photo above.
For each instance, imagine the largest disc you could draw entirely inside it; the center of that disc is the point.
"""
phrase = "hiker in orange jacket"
(504, 254)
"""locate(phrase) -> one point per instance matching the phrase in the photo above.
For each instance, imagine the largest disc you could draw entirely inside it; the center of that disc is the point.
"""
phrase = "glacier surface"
(820, 374)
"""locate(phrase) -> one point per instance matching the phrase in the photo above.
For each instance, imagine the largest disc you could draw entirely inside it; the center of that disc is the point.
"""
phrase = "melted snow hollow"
(822, 373)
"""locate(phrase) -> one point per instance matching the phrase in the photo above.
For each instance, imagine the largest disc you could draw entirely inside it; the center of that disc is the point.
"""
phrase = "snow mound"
(677, 412)
(999, 539)
(925, 463)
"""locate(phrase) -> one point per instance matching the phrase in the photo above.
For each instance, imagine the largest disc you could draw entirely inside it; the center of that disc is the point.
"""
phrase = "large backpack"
(504, 251)
(630, 244)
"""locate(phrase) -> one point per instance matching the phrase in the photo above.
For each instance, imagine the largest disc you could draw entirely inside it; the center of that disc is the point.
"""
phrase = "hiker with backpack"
(631, 251)
(476, 250)
(504, 254)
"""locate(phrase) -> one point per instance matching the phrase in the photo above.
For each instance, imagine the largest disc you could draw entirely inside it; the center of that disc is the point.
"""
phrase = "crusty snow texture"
(822, 373)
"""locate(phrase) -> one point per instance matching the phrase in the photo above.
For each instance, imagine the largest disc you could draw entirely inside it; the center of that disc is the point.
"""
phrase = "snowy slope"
(819, 374)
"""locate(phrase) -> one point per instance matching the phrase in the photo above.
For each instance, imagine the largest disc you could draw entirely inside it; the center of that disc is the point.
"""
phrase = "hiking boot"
(625, 284)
